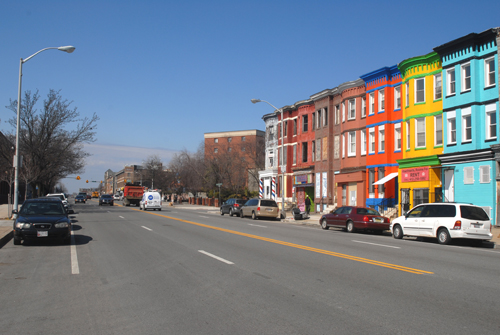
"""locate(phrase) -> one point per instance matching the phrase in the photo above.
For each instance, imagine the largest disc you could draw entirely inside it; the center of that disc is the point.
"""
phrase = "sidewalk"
(6, 223)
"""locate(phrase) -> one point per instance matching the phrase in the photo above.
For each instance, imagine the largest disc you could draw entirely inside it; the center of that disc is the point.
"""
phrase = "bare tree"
(51, 140)
(153, 168)
(187, 171)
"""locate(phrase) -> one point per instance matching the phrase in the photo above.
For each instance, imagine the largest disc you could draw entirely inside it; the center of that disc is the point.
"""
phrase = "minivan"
(257, 208)
(444, 221)
(150, 200)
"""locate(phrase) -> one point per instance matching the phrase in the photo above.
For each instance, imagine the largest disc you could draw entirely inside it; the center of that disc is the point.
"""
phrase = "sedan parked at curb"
(106, 199)
(42, 219)
(355, 218)
(232, 206)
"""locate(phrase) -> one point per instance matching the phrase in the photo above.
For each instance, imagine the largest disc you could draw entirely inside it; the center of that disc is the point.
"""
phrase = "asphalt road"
(180, 271)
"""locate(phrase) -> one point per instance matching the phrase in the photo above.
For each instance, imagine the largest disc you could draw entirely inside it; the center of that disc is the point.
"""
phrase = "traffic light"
(101, 181)
(87, 181)
(77, 177)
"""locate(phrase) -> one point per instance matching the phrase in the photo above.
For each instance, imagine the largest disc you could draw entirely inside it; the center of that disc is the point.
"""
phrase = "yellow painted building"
(419, 171)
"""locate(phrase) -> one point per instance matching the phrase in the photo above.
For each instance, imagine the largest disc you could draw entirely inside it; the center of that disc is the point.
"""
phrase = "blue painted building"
(468, 84)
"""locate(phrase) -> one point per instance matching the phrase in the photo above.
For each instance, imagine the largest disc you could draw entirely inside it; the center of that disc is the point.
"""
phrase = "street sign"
(219, 184)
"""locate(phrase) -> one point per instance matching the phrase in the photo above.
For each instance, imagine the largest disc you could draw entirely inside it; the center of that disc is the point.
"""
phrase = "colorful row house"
(424, 130)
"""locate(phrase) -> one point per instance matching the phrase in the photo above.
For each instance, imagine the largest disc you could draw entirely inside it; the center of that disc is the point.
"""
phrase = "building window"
(397, 137)
(229, 149)
(407, 95)
(452, 130)
(437, 86)
(305, 123)
(466, 128)
(438, 130)
(216, 150)
(381, 188)
(294, 154)
(363, 107)
(450, 76)
(420, 196)
(337, 114)
(420, 132)
(408, 135)
(313, 151)
(271, 160)
(419, 90)
(381, 139)
(313, 126)
(371, 142)
(343, 111)
(343, 145)
(466, 81)
(318, 150)
(243, 138)
(489, 71)
(352, 144)
(484, 174)
(243, 149)
(397, 97)
(371, 180)
(325, 117)
(229, 139)
(336, 146)
(285, 131)
(363, 142)
(381, 101)
(371, 107)
(318, 118)
(271, 133)
(295, 127)
(216, 140)
(491, 122)
(469, 175)
(352, 109)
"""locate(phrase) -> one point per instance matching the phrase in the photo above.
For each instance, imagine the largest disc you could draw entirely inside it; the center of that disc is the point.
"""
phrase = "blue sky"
(160, 74)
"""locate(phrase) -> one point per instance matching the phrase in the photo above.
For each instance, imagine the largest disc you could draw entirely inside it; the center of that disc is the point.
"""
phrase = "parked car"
(150, 200)
(445, 221)
(232, 206)
(106, 199)
(257, 208)
(355, 218)
(42, 218)
(61, 196)
(80, 198)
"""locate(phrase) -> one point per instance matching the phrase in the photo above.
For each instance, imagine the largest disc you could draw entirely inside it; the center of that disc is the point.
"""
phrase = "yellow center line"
(303, 247)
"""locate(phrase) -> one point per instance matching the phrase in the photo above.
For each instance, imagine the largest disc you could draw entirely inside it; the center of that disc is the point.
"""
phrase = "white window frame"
(407, 91)
(381, 139)
(371, 140)
(397, 97)
(408, 137)
(484, 174)
(438, 86)
(438, 121)
(216, 140)
(381, 100)
(417, 80)
(488, 71)
(420, 122)
(468, 175)
(371, 106)
(363, 142)
(463, 76)
(351, 144)
(451, 86)
(363, 107)
(397, 136)
(343, 111)
(466, 115)
(343, 145)
(491, 110)
(451, 120)
(351, 115)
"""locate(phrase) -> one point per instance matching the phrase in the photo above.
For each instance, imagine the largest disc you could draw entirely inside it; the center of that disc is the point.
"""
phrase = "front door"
(449, 186)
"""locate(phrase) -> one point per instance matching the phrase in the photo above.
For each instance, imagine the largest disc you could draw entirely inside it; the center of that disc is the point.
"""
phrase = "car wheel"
(221, 212)
(241, 214)
(443, 236)
(254, 217)
(17, 240)
(350, 227)
(324, 225)
(159, 209)
(397, 232)
(231, 212)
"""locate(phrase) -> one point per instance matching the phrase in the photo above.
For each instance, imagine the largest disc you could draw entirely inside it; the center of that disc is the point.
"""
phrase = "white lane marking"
(380, 245)
(75, 269)
(147, 228)
(216, 257)
(206, 217)
(256, 225)
(121, 216)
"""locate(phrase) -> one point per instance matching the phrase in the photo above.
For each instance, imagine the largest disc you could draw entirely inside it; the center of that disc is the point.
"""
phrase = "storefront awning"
(386, 178)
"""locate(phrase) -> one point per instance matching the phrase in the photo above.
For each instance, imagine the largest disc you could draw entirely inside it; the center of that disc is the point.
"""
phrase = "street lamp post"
(282, 186)
(68, 49)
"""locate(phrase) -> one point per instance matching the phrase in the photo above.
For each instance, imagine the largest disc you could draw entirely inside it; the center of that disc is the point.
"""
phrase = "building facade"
(269, 176)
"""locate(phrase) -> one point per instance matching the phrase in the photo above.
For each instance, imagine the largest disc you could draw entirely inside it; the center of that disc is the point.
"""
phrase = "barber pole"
(274, 188)
(261, 188)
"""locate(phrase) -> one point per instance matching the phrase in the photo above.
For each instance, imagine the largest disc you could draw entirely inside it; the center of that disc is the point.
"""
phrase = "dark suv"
(232, 206)
(106, 199)
(43, 218)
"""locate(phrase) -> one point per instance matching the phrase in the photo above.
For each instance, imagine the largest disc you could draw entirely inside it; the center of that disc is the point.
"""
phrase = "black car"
(106, 199)
(42, 219)
(232, 206)
(80, 198)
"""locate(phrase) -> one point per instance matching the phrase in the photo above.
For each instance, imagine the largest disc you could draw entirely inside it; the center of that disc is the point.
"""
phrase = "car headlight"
(61, 225)
(23, 225)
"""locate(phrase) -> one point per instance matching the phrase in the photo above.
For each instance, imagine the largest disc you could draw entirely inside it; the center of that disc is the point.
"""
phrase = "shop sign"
(303, 179)
(415, 174)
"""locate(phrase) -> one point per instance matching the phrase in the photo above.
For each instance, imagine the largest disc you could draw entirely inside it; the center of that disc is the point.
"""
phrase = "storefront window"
(420, 196)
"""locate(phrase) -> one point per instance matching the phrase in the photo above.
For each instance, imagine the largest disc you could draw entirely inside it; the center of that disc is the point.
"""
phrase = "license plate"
(42, 233)
(269, 209)
(378, 220)
(477, 225)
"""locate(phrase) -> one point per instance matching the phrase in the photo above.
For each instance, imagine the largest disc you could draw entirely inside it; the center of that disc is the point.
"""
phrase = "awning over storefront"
(386, 178)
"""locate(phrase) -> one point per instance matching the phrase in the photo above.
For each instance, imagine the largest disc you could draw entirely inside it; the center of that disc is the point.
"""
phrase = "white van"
(150, 200)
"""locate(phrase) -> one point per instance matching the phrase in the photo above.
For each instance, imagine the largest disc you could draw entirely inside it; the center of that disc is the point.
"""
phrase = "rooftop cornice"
(350, 84)
(472, 39)
(380, 73)
(409, 63)
(324, 93)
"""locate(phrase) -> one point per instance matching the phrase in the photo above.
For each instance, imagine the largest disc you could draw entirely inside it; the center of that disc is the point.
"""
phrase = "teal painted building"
(469, 89)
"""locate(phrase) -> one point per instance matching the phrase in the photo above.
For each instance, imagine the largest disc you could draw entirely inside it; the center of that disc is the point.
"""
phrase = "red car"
(355, 218)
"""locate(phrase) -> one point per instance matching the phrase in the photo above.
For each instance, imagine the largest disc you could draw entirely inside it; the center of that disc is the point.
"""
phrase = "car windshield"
(56, 196)
(106, 196)
(42, 208)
